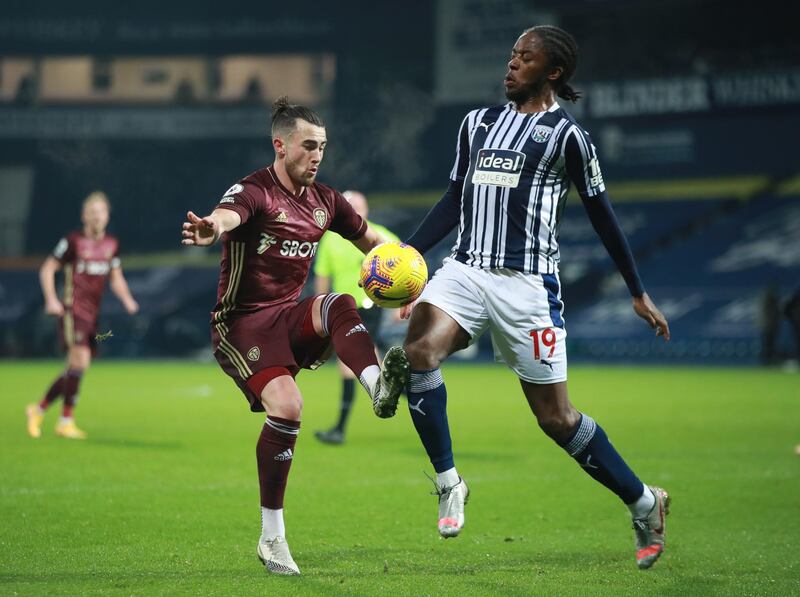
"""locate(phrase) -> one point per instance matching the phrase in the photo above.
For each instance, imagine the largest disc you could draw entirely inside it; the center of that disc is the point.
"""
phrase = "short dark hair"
(561, 50)
(285, 115)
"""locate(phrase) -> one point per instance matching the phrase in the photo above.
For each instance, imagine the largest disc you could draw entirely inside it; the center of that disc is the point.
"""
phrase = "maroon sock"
(274, 452)
(72, 381)
(350, 337)
(56, 389)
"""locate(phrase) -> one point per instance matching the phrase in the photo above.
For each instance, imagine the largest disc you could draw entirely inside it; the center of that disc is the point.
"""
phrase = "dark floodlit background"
(694, 108)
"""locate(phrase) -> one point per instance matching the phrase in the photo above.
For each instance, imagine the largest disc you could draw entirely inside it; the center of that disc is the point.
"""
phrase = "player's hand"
(405, 310)
(645, 309)
(54, 307)
(199, 231)
(131, 307)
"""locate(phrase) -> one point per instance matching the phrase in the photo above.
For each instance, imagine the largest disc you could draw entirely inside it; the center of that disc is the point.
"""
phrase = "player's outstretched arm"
(646, 309)
(440, 220)
(47, 279)
(119, 286)
(205, 231)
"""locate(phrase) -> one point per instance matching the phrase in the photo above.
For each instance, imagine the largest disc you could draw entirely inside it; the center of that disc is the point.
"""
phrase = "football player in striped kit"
(513, 168)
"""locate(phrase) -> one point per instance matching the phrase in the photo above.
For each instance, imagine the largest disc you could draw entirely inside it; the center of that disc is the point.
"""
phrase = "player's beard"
(299, 175)
(525, 92)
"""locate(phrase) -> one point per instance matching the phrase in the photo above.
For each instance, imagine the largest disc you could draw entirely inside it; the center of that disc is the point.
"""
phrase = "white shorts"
(524, 313)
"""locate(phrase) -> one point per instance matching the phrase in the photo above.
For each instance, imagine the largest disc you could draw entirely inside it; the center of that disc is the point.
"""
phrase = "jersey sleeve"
(323, 264)
(115, 261)
(245, 198)
(580, 158)
(64, 250)
(461, 165)
(346, 222)
(583, 170)
(440, 220)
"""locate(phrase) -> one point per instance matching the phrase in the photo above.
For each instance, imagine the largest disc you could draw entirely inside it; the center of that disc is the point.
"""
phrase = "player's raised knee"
(332, 307)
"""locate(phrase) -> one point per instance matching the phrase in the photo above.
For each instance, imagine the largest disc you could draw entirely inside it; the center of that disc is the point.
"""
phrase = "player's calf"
(339, 319)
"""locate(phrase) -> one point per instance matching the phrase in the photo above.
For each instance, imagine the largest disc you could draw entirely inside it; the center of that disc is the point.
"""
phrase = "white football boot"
(451, 508)
(274, 554)
(651, 530)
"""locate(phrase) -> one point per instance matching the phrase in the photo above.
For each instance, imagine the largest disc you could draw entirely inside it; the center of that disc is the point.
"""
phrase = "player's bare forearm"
(206, 231)
(47, 280)
(646, 309)
(371, 239)
(119, 286)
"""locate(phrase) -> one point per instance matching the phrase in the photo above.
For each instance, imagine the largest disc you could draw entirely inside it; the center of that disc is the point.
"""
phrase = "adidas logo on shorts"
(285, 455)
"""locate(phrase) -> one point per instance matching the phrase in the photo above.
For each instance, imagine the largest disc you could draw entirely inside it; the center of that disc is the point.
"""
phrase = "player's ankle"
(641, 507)
(448, 478)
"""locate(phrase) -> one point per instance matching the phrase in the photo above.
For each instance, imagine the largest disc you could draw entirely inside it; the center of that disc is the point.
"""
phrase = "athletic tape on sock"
(582, 437)
(423, 381)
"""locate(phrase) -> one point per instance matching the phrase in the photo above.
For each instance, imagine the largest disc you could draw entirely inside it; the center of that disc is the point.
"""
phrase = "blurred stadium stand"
(165, 110)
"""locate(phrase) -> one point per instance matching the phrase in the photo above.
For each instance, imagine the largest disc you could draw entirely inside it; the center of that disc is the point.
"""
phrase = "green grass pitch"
(163, 498)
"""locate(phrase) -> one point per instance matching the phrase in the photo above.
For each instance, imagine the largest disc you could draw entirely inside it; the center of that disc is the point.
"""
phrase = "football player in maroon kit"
(88, 257)
(270, 224)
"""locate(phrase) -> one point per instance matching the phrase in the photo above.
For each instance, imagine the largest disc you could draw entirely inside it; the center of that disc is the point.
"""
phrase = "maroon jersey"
(266, 259)
(87, 263)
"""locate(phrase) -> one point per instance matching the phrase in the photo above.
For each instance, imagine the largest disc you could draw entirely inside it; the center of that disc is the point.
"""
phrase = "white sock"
(641, 507)
(448, 478)
(272, 523)
(369, 377)
(62, 420)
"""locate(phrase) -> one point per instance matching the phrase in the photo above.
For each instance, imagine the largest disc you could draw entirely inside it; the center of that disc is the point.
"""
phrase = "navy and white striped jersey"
(516, 170)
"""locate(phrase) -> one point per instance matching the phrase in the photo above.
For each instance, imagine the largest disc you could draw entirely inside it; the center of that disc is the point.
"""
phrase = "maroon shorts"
(77, 331)
(277, 336)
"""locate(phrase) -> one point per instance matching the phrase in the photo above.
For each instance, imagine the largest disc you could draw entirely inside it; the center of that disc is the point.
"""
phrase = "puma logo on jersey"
(486, 126)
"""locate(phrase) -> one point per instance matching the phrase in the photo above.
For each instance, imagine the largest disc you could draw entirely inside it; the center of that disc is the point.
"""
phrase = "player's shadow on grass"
(124, 442)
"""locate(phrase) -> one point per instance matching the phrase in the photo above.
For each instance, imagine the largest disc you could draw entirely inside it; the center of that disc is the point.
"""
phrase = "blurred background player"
(270, 223)
(513, 168)
(337, 268)
(88, 257)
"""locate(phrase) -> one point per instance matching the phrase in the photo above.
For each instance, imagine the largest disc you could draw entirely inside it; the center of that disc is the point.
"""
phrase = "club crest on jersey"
(254, 353)
(320, 217)
(498, 167)
(282, 217)
(267, 240)
(541, 133)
